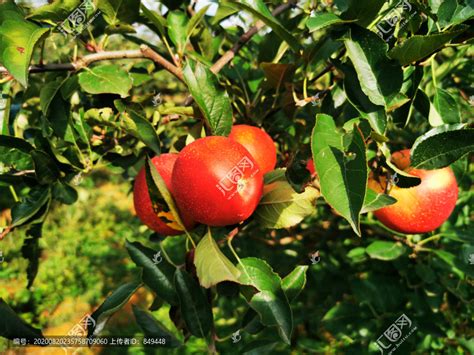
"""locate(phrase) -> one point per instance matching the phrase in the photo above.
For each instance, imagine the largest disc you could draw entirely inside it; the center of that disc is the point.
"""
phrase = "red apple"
(422, 208)
(217, 181)
(161, 222)
(259, 144)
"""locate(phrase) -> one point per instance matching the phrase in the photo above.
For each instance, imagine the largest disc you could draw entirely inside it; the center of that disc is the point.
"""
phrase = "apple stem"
(165, 254)
(190, 239)
(229, 243)
(429, 239)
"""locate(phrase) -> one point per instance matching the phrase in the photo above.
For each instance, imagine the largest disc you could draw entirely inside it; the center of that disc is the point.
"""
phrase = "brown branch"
(147, 52)
(154, 56)
(143, 52)
(230, 54)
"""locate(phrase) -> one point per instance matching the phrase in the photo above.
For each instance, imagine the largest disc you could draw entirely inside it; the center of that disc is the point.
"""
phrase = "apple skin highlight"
(422, 208)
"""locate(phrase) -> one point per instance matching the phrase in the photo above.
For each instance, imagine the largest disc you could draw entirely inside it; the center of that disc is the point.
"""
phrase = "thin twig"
(230, 54)
(143, 52)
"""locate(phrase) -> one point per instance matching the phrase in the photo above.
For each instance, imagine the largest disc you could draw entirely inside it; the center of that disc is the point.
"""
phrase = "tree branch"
(147, 52)
(143, 52)
(230, 54)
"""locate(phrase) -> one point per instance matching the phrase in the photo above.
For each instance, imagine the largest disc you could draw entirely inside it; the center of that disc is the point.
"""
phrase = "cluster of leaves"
(373, 93)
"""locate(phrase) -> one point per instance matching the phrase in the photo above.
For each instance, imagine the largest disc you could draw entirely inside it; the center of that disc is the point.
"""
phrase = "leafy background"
(72, 144)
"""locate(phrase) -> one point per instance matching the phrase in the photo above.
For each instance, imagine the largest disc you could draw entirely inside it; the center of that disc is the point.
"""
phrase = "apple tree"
(339, 85)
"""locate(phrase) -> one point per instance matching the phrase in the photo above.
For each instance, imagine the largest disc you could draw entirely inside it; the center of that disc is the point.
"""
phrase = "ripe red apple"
(422, 208)
(259, 144)
(217, 181)
(161, 222)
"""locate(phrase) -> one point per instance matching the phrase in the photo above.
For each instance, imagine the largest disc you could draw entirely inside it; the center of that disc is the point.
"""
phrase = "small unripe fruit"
(159, 221)
(217, 181)
(259, 144)
(422, 208)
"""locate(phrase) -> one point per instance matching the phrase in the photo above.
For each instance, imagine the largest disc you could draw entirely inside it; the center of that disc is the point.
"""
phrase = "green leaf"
(270, 303)
(380, 78)
(374, 201)
(341, 165)
(54, 12)
(141, 128)
(177, 29)
(112, 304)
(153, 328)
(18, 39)
(155, 18)
(274, 310)
(160, 195)
(157, 274)
(450, 260)
(363, 11)
(213, 101)
(294, 282)
(195, 20)
(212, 265)
(59, 118)
(374, 114)
(258, 347)
(446, 107)
(442, 146)
(260, 10)
(64, 193)
(357, 255)
(12, 326)
(282, 207)
(49, 91)
(195, 308)
(31, 251)
(223, 12)
(106, 79)
(45, 168)
(15, 154)
(382, 250)
(16, 143)
(321, 21)
(418, 47)
(257, 273)
(117, 11)
(27, 209)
